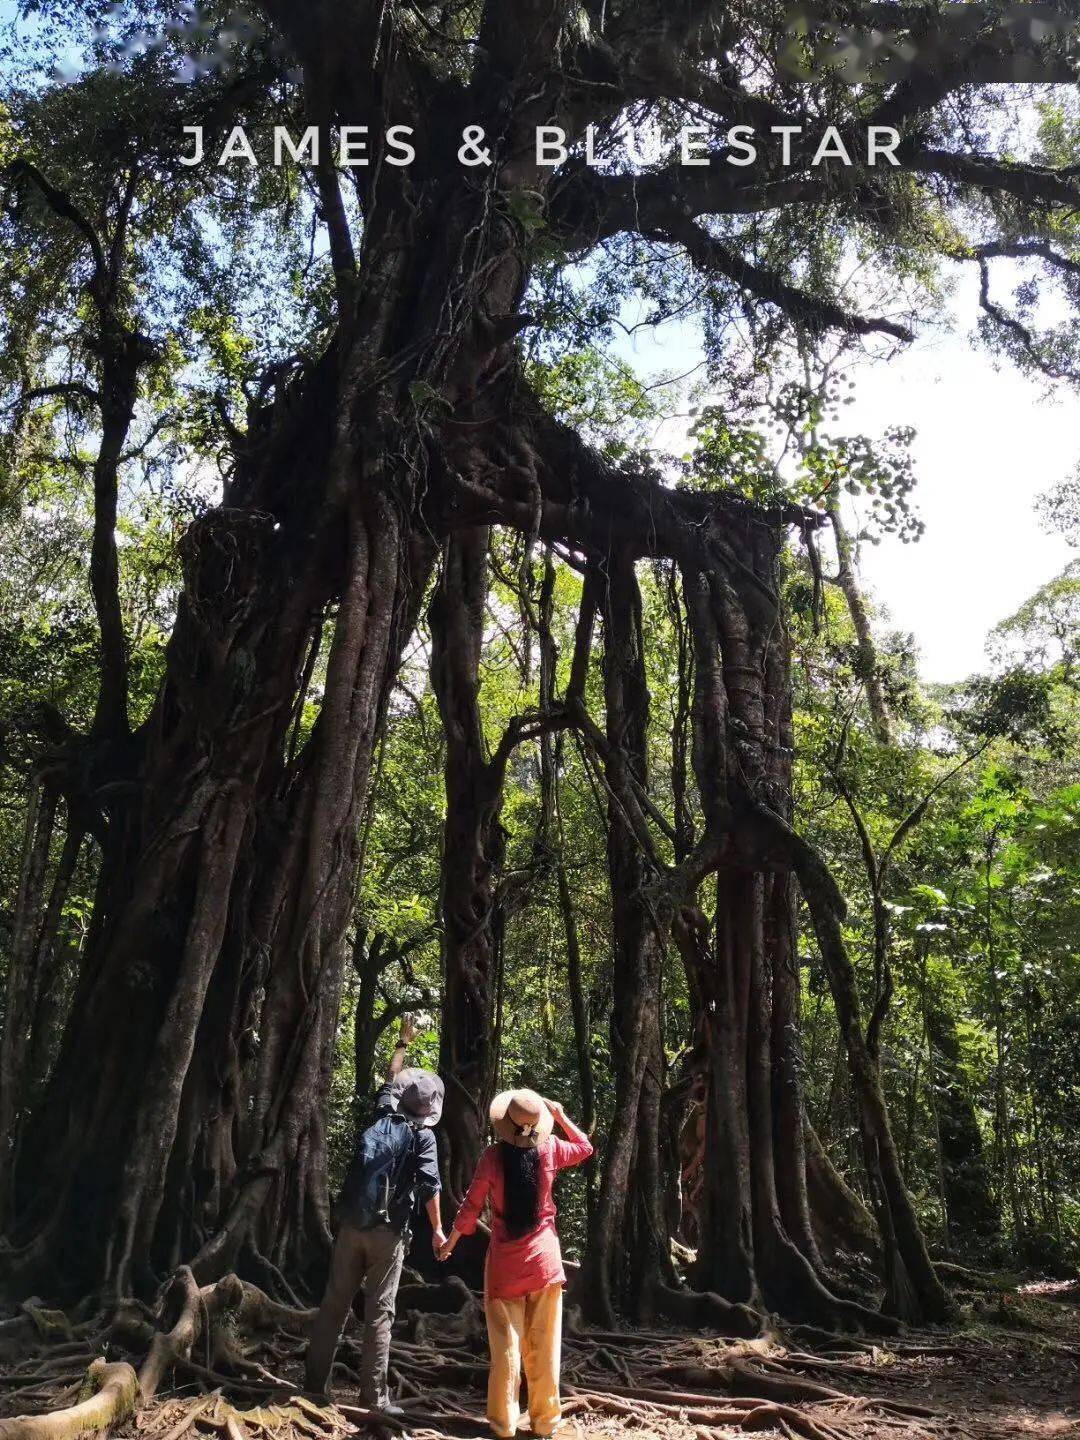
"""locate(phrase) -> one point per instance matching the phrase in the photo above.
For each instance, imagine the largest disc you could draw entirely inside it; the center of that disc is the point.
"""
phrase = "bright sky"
(988, 442)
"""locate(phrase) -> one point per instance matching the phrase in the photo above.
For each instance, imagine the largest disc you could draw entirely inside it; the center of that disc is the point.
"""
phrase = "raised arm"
(405, 1038)
(577, 1147)
(384, 1099)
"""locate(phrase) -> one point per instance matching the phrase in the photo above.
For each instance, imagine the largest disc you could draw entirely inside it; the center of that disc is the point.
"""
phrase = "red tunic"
(532, 1261)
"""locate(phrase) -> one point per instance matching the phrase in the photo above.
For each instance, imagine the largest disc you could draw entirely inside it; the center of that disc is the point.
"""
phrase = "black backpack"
(379, 1173)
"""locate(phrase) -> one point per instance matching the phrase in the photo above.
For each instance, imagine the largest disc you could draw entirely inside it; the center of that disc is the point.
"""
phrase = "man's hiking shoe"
(387, 1408)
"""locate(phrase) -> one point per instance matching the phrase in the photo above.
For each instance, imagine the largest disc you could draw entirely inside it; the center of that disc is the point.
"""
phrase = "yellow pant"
(529, 1330)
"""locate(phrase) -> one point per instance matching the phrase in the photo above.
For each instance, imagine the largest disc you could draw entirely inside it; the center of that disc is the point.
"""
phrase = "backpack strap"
(409, 1162)
(413, 1158)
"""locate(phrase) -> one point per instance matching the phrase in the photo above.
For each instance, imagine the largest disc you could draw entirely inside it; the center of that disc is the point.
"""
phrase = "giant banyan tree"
(178, 1116)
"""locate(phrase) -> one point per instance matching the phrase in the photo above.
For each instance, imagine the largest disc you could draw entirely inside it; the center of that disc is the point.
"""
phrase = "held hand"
(445, 1250)
(438, 1241)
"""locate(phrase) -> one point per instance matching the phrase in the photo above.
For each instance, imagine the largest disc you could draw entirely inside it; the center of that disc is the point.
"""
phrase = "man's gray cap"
(419, 1095)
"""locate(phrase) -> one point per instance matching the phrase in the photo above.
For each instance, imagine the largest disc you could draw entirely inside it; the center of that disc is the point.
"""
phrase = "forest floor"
(1010, 1370)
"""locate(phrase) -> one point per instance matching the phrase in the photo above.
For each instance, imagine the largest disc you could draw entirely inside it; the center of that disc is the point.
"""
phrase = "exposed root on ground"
(110, 1397)
(186, 1314)
(226, 1360)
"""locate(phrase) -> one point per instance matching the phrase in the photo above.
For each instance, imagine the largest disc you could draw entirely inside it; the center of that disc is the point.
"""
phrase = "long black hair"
(521, 1188)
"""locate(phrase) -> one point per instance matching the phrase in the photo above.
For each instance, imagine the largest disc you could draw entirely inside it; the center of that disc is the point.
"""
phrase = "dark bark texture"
(472, 856)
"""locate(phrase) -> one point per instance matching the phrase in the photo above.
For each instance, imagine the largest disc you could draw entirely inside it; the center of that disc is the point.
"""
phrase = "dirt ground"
(1010, 1369)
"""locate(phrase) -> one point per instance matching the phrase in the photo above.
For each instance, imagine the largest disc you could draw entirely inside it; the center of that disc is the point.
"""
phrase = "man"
(397, 1161)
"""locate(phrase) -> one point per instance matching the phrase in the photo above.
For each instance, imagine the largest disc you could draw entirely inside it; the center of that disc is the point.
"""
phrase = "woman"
(523, 1277)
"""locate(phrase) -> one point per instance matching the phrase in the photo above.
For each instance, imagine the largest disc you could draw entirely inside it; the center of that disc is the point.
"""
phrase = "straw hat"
(522, 1118)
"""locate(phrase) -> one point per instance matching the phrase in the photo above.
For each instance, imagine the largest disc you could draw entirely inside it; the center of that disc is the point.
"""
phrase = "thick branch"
(1021, 250)
(1036, 353)
(1033, 184)
(812, 312)
(663, 207)
(67, 390)
(63, 205)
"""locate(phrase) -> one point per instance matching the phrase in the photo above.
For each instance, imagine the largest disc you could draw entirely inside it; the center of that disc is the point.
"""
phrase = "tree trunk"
(866, 647)
(970, 1208)
(629, 1248)
(48, 969)
(228, 871)
(841, 1220)
(789, 1111)
(785, 1276)
(368, 963)
(472, 856)
(742, 749)
(725, 1262)
(21, 978)
(912, 1285)
(299, 908)
(580, 1012)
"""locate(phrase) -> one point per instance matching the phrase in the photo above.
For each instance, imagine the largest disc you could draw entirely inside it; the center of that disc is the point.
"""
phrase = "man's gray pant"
(363, 1259)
